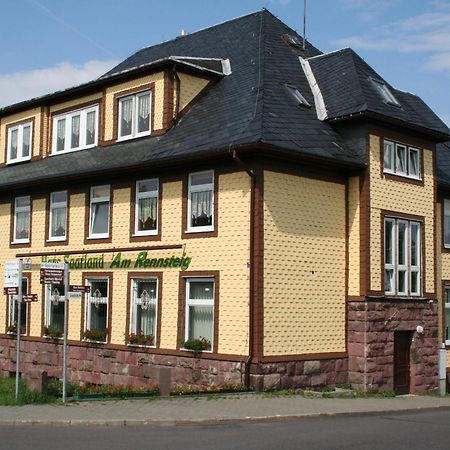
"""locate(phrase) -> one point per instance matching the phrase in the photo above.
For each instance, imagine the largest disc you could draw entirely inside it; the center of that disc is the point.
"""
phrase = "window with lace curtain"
(134, 115)
(54, 309)
(19, 145)
(97, 309)
(146, 211)
(22, 216)
(14, 311)
(75, 130)
(58, 216)
(201, 201)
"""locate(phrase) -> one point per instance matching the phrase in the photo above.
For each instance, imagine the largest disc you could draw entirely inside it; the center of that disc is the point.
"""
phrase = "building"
(278, 208)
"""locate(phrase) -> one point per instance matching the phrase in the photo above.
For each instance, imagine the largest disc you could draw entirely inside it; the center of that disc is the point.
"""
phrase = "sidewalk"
(203, 410)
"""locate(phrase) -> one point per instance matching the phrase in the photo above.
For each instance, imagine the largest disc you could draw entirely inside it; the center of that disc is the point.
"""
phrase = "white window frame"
(195, 302)
(48, 304)
(446, 207)
(99, 200)
(103, 300)
(141, 195)
(407, 267)
(446, 307)
(393, 169)
(137, 301)
(134, 116)
(22, 209)
(200, 188)
(68, 130)
(20, 158)
(13, 299)
(55, 205)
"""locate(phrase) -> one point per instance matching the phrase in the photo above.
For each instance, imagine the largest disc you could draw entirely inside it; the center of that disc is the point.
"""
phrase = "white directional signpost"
(12, 285)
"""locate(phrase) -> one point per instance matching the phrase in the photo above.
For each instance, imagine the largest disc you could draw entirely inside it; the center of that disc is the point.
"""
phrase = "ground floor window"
(199, 320)
(96, 324)
(402, 257)
(14, 311)
(143, 311)
(447, 315)
(54, 306)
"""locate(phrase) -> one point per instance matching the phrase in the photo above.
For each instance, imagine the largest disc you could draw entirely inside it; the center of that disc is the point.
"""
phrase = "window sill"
(200, 230)
(137, 136)
(54, 338)
(11, 334)
(93, 238)
(92, 341)
(20, 242)
(57, 239)
(195, 351)
(62, 152)
(141, 346)
(402, 177)
(17, 161)
(150, 233)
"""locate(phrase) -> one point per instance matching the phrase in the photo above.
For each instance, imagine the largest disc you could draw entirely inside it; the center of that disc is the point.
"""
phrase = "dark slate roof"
(344, 79)
(249, 106)
(443, 163)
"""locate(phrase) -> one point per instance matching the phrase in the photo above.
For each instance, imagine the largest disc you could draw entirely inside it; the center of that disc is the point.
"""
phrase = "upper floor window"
(22, 215)
(447, 314)
(19, 146)
(58, 216)
(146, 220)
(402, 257)
(400, 159)
(201, 201)
(99, 212)
(75, 130)
(134, 115)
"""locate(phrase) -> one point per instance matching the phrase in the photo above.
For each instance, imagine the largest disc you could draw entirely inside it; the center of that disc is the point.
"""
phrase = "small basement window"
(385, 93)
(296, 95)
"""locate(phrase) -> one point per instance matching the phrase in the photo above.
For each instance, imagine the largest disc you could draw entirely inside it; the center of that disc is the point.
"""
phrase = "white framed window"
(385, 92)
(20, 142)
(99, 212)
(200, 201)
(447, 314)
(134, 115)
(14, 311)
(75, 130)
(400, 159)
(22, 217)
(199, 311)
(144, 305)
(402, 257)
(97, 304)
(54, 310)
(146, 210)
(446, 225)
(58, 216)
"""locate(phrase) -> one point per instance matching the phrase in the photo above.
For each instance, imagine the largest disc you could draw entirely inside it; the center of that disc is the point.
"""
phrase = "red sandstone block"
(355, 349)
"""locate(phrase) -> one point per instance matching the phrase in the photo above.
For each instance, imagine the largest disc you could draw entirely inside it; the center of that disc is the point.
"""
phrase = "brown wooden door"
(402, 373)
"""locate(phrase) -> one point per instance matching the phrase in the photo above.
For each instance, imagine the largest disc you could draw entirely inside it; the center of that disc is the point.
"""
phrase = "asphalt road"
(422, 430)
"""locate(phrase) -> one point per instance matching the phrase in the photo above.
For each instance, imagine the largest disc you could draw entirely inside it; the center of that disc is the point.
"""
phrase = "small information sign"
(11, 290)
(11, 274)
(52, 273)
(79, 288)
(29, 298)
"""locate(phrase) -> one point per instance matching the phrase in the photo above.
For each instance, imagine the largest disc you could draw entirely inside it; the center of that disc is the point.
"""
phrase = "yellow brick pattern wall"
(157, 99)
(18, 117)
(400, 197)
(304, 265)
(353, 236)
(190, 86)
(228, 253)
(74, 103)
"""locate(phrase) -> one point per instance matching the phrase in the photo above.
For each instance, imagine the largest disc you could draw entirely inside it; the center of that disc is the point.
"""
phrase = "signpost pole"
(66, 303)
(19, 325)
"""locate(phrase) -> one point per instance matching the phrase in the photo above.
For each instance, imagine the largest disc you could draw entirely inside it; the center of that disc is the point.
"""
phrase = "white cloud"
(438, 62)
(15, 87)
(280, 2)
(368, 10)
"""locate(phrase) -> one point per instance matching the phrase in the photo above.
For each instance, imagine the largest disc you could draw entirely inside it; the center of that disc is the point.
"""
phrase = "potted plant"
(12, 329)
(197, 345)
(53, 332)
(139, 338)
(95, 335)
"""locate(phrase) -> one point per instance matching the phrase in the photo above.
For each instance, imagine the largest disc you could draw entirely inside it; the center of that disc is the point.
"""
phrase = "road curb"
(203, 422)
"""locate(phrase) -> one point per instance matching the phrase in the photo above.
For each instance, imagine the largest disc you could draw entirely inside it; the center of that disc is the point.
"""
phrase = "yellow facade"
(34, 113)
(227, 253)
(354, 237)
(403, 198)
(74, 103)
(190, 87)
(304, 265)
(157, 99)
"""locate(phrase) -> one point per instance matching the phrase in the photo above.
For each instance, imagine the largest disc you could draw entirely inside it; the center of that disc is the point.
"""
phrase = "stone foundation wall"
(371, 327)
(97, 365)
(298, 374)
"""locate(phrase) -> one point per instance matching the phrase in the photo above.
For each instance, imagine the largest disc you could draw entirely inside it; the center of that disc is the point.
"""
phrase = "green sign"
(142, 261)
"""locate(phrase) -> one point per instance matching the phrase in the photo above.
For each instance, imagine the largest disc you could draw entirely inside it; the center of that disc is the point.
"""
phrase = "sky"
(49, 45)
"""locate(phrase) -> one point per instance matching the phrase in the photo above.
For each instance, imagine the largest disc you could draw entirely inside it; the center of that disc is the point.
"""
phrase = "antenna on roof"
(304, 24)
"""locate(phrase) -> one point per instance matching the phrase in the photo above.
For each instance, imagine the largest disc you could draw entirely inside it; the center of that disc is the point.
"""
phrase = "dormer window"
(75, 130)
(134, 115)
(296, 95)
(19, 142)
(385, 93)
